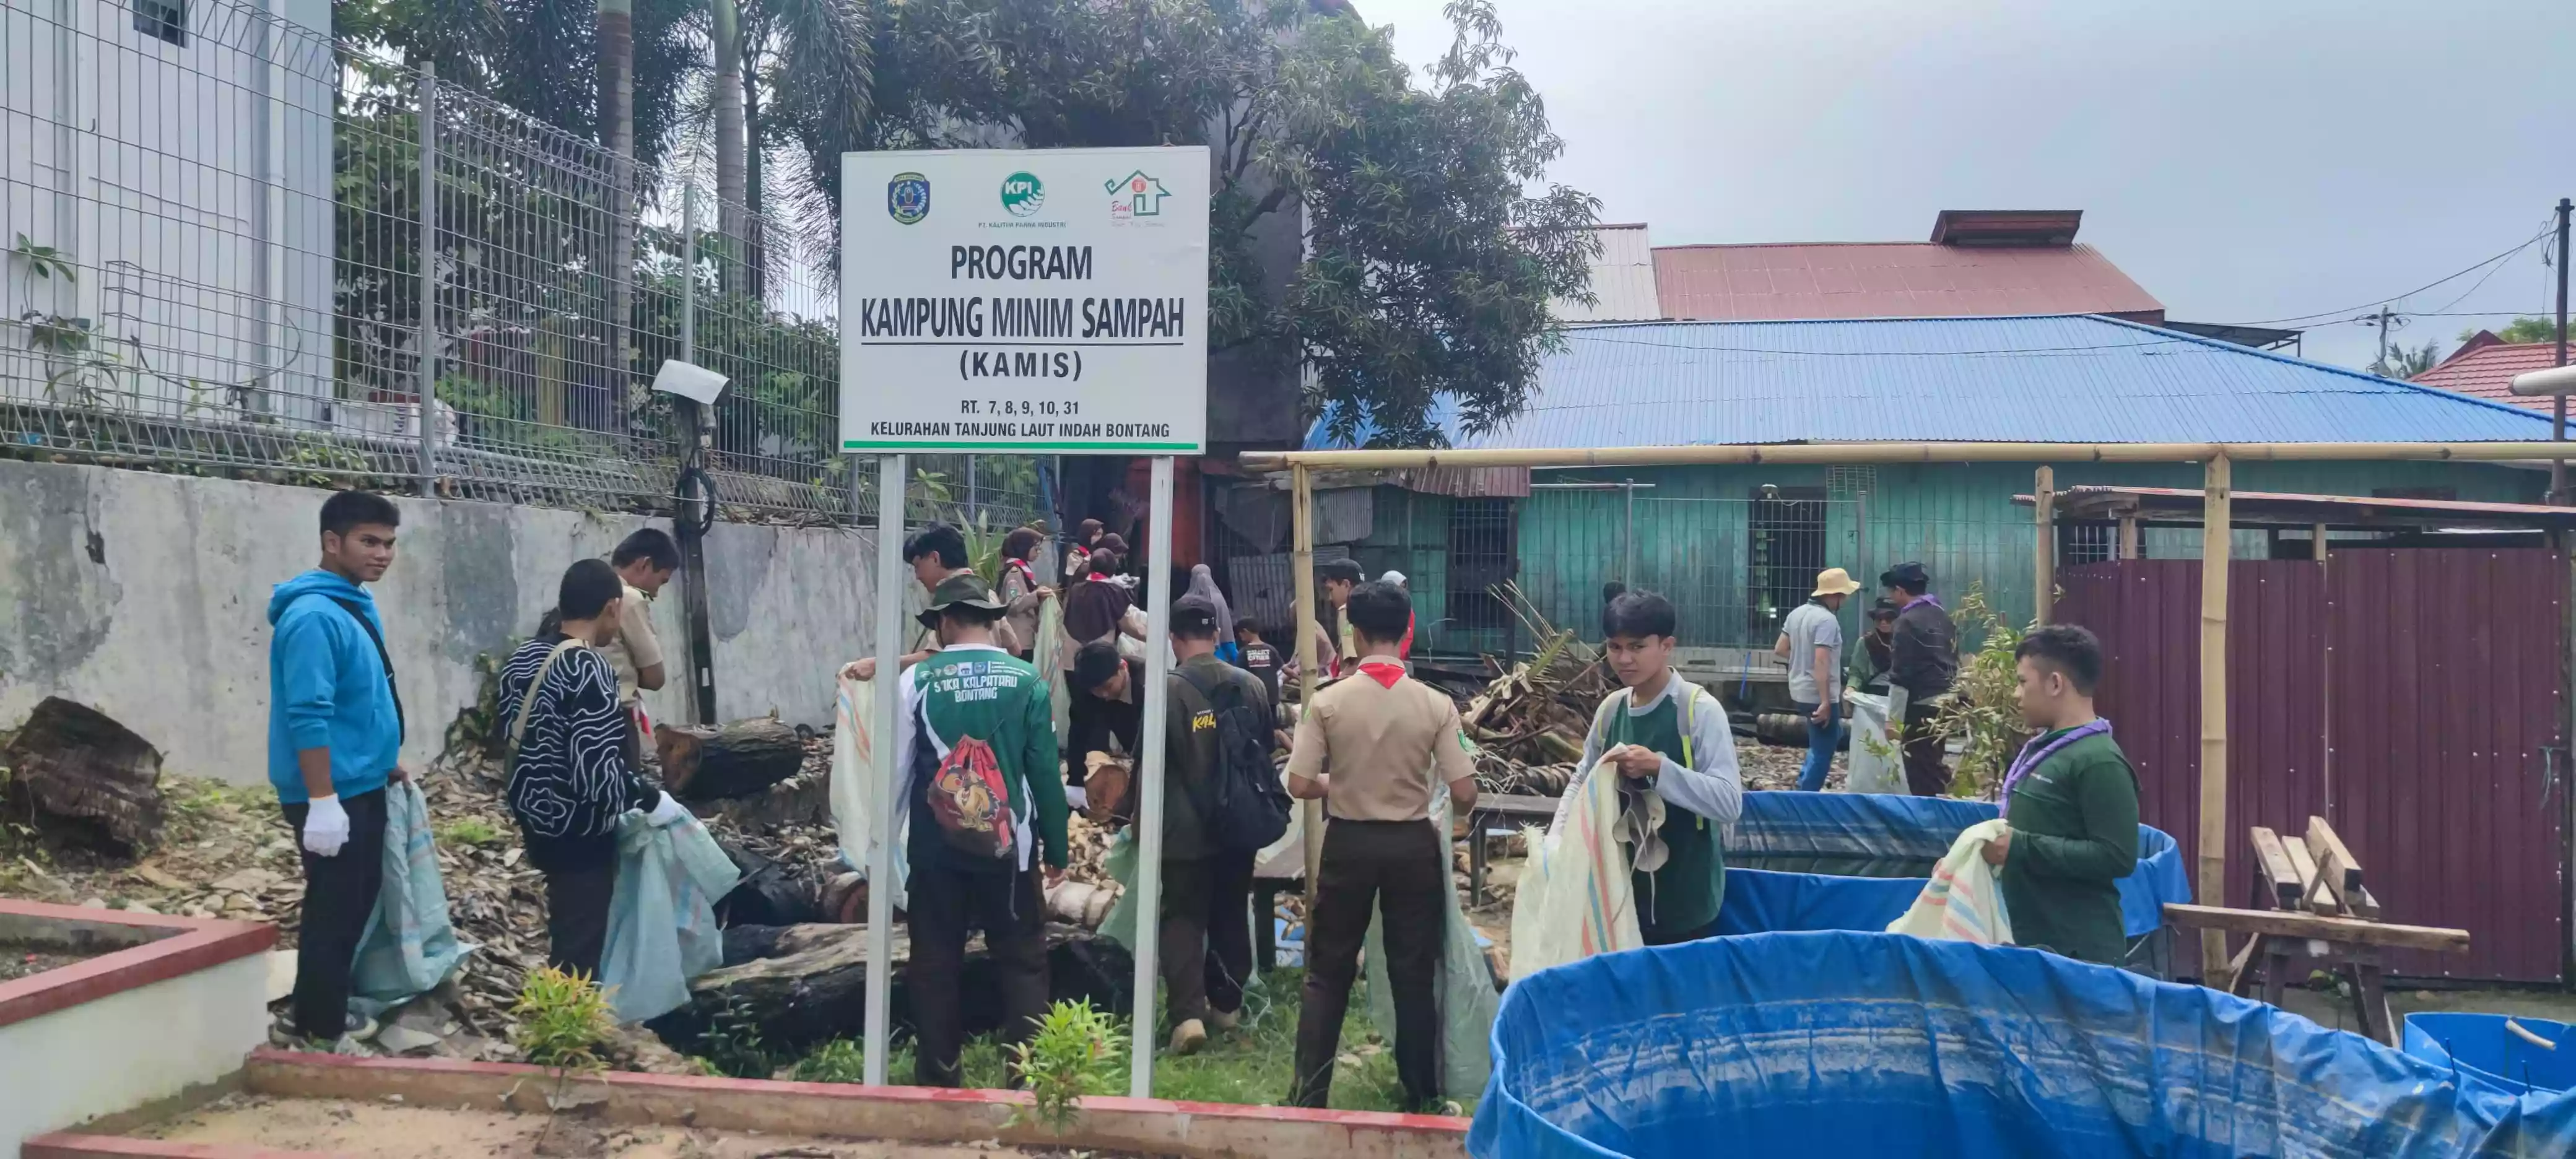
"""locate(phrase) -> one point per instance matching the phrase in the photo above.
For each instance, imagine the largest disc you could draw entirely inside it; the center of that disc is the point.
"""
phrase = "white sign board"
(1025, 301)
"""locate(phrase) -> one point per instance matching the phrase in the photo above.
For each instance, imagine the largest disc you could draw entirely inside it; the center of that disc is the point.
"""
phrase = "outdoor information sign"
(1023, 301)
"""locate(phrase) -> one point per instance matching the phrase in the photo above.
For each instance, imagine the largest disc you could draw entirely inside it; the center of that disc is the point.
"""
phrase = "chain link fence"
(240, 249)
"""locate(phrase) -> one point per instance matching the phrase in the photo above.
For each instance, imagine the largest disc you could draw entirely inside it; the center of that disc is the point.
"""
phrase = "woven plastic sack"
(410, 946)
(662, 919)
(1575, 897)
(1120, 925)
(1872, 771)
(1048, 656)
(1463, 994)
(1963, 902)
(857, 787)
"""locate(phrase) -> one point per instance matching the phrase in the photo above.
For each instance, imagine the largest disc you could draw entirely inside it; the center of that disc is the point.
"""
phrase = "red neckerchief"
(1097, 578)
(1384, 673)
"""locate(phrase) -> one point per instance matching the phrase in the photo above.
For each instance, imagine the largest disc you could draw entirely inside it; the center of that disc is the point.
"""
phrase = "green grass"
(1249, 1065)
(472, 832)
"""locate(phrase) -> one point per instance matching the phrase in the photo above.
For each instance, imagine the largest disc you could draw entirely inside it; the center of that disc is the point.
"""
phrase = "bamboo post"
(2215, 540)
(2043, 506)
(2128, 537)
(1301, 563)
(2317, 542)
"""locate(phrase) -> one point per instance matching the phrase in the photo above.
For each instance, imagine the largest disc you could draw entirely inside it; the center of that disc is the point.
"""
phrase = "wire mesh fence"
(239, 248)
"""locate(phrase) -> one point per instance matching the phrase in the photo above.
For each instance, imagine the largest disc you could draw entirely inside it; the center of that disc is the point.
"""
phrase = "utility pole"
(2558, 404)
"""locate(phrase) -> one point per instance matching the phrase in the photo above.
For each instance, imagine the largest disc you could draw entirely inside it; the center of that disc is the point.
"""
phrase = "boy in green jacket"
(977, 740)
(2070, 806)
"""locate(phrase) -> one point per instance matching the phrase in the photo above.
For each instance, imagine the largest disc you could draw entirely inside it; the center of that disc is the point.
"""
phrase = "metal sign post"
(881, 845)
(1022, 302)
(1149, 776)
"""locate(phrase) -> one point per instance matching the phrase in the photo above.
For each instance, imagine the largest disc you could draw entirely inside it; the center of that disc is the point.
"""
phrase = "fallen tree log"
(74, 764)
(737, 760)
(808, 984)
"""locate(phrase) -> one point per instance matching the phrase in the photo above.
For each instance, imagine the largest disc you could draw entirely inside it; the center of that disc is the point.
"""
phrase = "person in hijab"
(1020, 589)
(1203, 589)
(1097, 610)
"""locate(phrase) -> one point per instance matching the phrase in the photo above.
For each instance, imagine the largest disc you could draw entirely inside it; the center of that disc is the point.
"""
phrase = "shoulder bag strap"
(528, 699)
(402, 729)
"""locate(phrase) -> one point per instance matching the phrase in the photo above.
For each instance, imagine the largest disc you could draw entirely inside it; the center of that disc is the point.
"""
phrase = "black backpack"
(1243, 804)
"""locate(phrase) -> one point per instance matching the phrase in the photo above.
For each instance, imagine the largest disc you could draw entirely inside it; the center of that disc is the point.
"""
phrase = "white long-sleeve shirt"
(1714, 789)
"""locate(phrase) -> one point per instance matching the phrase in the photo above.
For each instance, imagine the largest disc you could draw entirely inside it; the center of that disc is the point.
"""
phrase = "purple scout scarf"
(2034, 752)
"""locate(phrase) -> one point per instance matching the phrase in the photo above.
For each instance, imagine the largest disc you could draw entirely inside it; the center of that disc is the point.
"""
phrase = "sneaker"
(1188, 1037)
(1224, 1019)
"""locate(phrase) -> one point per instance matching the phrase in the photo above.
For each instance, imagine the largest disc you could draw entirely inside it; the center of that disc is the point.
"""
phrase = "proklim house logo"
(1023, 195)
(1137, 197)
(908, 198)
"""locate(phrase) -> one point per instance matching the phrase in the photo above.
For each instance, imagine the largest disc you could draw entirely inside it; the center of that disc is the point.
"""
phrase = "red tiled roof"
(2486, 369)
(1893, 280)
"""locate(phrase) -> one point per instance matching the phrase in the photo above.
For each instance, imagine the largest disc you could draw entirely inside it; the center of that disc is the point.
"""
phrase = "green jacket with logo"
(2074, 836)
(982, 692)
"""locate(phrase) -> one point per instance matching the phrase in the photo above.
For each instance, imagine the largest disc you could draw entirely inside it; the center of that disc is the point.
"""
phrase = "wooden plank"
(2279, 874)
(2362, 904)
(2323, 841)
(2332, 929)
(2240, 968)
(2310, 897)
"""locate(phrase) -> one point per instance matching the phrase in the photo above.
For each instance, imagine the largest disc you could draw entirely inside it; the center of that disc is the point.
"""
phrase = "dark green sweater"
(2074, 836)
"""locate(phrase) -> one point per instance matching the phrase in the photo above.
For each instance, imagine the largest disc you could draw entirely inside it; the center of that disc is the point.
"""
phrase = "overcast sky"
(2241, 159)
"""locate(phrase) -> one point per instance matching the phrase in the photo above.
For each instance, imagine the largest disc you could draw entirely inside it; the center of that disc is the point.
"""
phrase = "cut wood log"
(2318, 926)
(2279, 872)
(811, 985)
(2337, 870)
(2311, 897)
(737, 760)
(73, 764)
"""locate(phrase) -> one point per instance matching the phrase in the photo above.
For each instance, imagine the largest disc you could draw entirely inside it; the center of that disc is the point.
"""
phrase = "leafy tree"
(2524, 329)
(2401, 362)
(1428, 265)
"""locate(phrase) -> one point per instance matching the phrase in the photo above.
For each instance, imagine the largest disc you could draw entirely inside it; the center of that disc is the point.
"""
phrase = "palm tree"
(812, 58)
(2401, 362)
(616, 26)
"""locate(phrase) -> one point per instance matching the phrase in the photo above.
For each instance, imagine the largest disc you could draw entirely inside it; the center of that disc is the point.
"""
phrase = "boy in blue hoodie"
(335, 734)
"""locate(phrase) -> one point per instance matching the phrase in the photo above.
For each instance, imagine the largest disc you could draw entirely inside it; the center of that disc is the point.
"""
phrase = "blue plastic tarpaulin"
(1880, 1045)
(2484, 1046)
(1879, 827)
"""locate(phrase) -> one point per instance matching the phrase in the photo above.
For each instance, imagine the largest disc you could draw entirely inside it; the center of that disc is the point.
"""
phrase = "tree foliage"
(2523, 329)
(2404, 362)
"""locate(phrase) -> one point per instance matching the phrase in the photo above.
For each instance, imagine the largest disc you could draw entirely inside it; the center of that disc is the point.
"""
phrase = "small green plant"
(838, 1061)
(564, 1018)
(471, 832)
(732, 1043)
(1985, 706)
(1074, 1053)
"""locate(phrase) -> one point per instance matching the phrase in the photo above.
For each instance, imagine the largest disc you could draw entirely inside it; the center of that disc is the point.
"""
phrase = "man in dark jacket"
(1206, 934)
(1925, 662)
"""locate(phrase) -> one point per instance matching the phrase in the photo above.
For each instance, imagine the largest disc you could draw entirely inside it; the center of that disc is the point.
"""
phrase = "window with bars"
(162, 20)
(1481, 554)
(2087, 543)
(1785, 548)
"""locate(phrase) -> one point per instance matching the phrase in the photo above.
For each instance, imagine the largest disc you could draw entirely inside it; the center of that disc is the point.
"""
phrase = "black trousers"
(1401, 867)
(577, 900)
(339, 896)
(944, 902)
(1925, 775)
(1204, 947)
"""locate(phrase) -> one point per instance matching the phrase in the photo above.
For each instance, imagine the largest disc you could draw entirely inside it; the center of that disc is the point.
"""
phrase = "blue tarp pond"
(1821, 1045)
(2517, 1054)
(1854, 861)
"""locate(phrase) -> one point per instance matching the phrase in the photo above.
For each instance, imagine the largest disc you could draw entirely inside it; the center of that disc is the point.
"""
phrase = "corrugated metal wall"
(2406, 695)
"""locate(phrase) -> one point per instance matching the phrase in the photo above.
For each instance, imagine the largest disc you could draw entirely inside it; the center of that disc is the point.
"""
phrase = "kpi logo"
(1023, 194)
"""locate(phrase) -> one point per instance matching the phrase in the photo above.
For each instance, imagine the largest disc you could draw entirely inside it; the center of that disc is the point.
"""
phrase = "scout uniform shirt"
(2074, 825)
(1699, 785)
(978, 690)
(1384, 737)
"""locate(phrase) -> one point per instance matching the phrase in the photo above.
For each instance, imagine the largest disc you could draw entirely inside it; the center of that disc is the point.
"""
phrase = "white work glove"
(326, 827)
(668, 812)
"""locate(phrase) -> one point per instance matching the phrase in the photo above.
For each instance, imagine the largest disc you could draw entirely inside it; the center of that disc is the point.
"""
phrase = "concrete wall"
(145, 596)
(129, 1048)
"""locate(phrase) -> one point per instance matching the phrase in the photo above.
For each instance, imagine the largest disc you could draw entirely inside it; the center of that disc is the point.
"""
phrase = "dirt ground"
(2326, 1008)
(19, 961)
(392, 1131)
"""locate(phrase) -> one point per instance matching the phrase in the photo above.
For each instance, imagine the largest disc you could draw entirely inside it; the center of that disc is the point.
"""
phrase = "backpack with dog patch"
(971, 801)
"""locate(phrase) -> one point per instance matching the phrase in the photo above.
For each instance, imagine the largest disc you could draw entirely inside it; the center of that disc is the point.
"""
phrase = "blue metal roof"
(2051, 379)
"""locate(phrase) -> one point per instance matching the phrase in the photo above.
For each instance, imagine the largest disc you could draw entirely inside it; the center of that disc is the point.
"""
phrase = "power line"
(2524, 245)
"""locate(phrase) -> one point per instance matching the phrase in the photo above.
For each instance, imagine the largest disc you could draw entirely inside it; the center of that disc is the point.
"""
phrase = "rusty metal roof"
(1892, 280)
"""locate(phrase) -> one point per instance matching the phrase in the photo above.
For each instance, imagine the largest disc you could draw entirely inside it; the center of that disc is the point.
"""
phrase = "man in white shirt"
(1811, 641)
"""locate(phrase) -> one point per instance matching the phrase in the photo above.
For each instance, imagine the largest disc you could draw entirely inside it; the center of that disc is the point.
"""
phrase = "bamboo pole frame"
(1301, 484)
(2216, 544)
(2043, 513)
(2216, 539)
